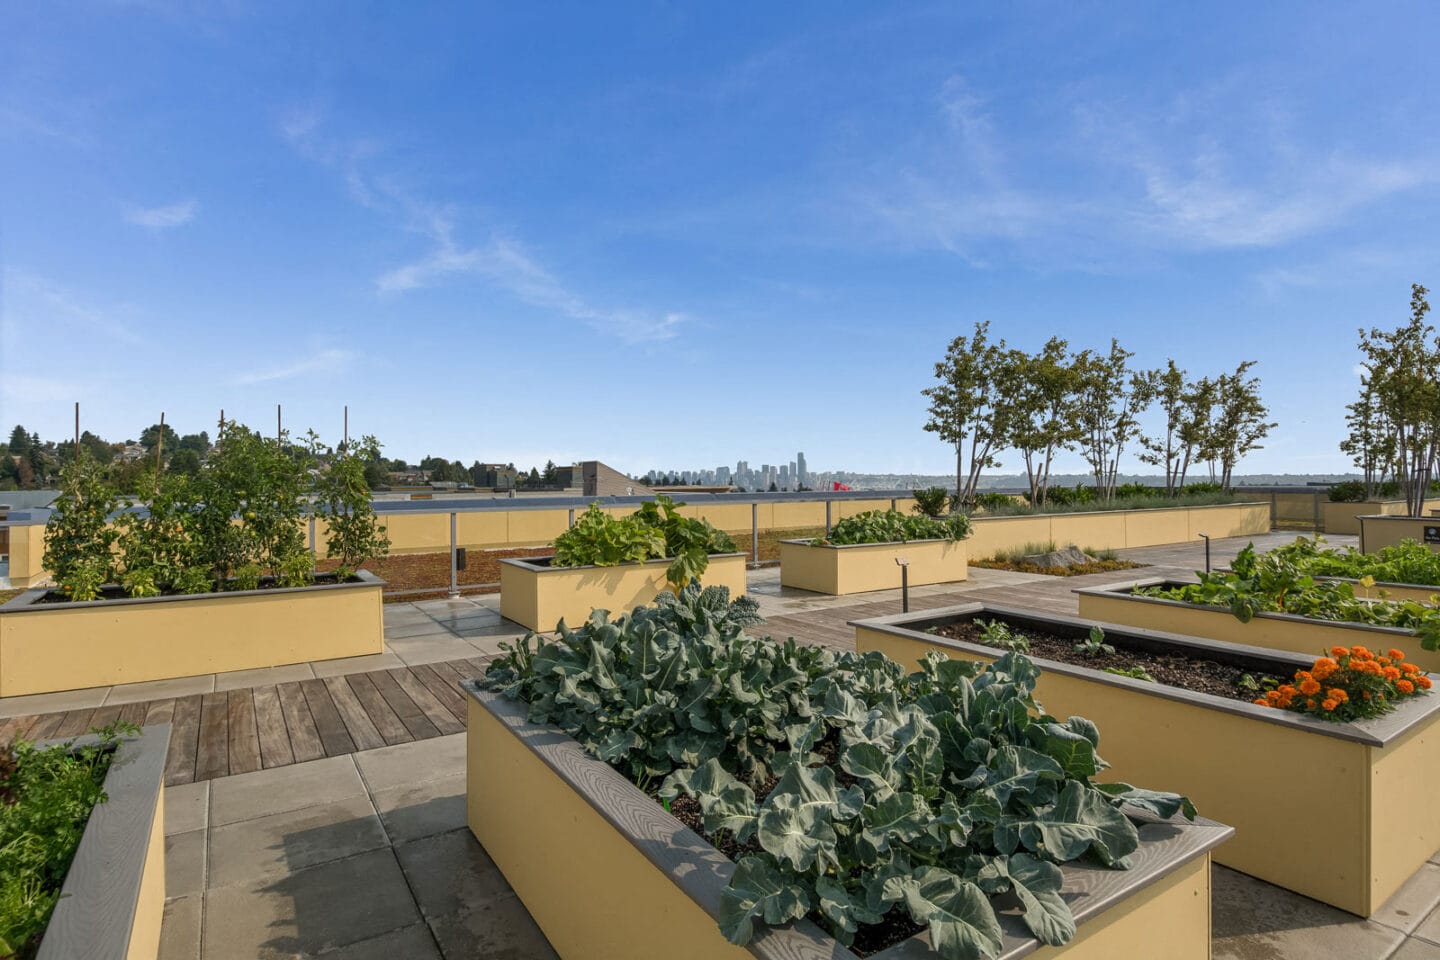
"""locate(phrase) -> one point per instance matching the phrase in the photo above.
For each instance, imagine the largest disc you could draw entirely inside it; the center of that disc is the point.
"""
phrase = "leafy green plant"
(246, 577)
(1134, 673)
(997, 633)
(1409, 561)
(354, 533)
(892, 526)
(45, 801)
(79, 540)
(931, 501)
(854, 790)
(1274, 583)
(1094, 645)
(654, 531)
(1189, 498)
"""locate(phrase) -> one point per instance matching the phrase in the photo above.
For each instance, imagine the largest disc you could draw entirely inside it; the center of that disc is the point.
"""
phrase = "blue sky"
(674, 234)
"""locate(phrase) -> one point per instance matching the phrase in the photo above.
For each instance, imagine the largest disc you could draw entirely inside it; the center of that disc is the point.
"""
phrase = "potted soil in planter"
(860, 553)
(82, 846)
(1180, 711)
(847, 810)
(616, 564)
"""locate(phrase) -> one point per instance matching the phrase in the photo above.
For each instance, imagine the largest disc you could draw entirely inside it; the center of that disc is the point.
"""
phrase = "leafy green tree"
(151, 435)
(1239, 422)
(1403, 373)
(1172, 450)
(1110, 397)
(1041, 391)
(342, 499)
(184, 461)
(79, 538)
(199, 443)
(19, 440)
(963, 405)
(550, 476)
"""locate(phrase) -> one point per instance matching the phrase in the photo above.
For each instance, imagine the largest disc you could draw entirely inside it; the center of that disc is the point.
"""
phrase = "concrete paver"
(247, 796)
(281, 843)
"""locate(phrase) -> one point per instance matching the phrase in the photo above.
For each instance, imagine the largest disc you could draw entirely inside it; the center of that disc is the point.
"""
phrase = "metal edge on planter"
(99, 900)
(1376, 732)
(529, 563)
(701, 871)
(29, 600)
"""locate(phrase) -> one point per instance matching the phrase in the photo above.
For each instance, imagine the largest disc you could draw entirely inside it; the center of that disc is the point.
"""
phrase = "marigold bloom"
(1359, 653)
(1338, 695)
(1409, 668)
(1405, 686)
(1391, 673)
(1263, 703)
(1310, 703)
(1309, 686)
(1423, 682)
(1339, 652)
(1397, 654)
(1286, 690)
(1328, 705)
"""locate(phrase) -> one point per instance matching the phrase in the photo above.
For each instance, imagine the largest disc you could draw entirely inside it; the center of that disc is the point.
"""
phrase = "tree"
(550, 476)
(1040, 391)
(185, 462)
(963, 410)
(1239, 422)
(19, 440)
(151, 434)
(1110, 397)
(198, 442)
(1371, 442)
(1403, 373)
(1167, 451)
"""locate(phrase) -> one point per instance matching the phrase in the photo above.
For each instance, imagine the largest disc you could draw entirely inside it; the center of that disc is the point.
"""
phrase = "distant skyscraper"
(802, 475)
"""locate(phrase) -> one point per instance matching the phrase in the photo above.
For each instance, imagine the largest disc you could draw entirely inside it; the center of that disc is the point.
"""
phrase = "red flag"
(840, 486)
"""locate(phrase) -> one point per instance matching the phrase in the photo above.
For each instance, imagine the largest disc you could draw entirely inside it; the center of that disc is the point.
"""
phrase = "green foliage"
(79, 541)
(1134, 673)
(654, 531)
(45, 801)
(925, 794)
(1199, 498)
(1274, 583)
(997, 633)
(992, 502)
(1094, 645)
(892, 526)
(931, 501)
(1409, 561)
(342, 499)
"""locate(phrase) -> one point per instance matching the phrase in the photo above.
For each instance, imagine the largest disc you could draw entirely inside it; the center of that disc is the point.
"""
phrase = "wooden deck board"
(386, 721)
(244, 738)
(358, 724)
(328, 724)
(184, 740)
(275, 750)
(213, 757)
(411, 715)
(435, 711)
(304, 738)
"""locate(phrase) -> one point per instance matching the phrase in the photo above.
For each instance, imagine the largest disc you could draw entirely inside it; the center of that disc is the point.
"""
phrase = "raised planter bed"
(1380, 531)
(582, 847)
(1419, 592)
(537, 595)
(1118, 603)
(838, 569)
(113, 898)
(1341, 812)
(1344, 517)
(46, 646)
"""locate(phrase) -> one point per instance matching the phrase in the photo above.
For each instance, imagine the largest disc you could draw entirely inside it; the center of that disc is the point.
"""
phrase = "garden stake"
(904, 564)
(1206, 538)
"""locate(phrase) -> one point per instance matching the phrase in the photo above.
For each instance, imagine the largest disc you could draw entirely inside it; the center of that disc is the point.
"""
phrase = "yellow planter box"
(860, 568)
(1345, 517)
(46, 647)
(1378, 532)
(1278, 631)
(113, 897)
(581, 846)
(1343, 813)
(1419, 592)
(1118, 529)
(538, 596)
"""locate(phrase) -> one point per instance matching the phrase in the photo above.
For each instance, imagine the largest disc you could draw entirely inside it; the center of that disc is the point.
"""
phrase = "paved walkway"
(364, 855)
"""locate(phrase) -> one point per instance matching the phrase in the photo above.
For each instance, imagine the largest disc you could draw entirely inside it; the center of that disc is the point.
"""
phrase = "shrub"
(990, 502)
(851, 789)
(654, 531)
(1139, 490)
(79, 541)
(892, 526)
(342, 499)
(1350, 491)
(931, 501)
(1350, 684)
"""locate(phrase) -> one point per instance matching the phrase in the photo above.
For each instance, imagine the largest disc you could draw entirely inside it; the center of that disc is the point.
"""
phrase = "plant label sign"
(1432, 533)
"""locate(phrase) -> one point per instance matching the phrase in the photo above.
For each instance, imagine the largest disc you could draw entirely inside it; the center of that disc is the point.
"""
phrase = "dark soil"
(1074, 570)
(896, 926)
(1172, 669)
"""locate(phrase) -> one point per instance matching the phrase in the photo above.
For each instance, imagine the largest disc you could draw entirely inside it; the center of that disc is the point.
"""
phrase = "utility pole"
(160, 444)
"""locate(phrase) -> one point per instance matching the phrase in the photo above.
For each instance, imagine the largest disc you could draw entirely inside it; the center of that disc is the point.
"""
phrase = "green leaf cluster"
(654, 531)
(853, 789)
(892, 526)
(1275, 583)
(45, 801)
(1408, 561)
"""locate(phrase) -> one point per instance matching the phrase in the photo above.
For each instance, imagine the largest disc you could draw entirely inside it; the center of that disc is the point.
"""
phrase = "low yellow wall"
(1310, 637)
(150, 902)
(27, 555)
(55, 647)
(840, 570)
(1344, 517)
(1279, 786)
(1379, 532)
(540, 599)
(557, 852)
(1119, 529)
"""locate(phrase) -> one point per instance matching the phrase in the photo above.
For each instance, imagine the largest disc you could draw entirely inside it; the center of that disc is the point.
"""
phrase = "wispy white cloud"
(35, 303)
(161, 218)
(42, 391)
(502, 261)
(326, 361)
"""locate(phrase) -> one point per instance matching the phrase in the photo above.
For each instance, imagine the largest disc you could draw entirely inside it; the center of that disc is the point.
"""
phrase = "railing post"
(572, 516)
(827, 518)
(1274, 510)
(755, 532)
(454, 570)
(1317, 511)
(312, 536)
(892, 504)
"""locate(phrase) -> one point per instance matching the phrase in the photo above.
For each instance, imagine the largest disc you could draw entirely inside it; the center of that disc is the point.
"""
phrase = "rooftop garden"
(655, 531)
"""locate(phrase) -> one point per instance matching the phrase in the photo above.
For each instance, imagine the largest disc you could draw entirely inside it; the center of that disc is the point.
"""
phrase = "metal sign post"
(904, 564)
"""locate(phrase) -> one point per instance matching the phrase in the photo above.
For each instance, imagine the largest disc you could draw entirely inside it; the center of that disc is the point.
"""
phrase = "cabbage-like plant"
(892, 526)
(855, 790)
(654, 531)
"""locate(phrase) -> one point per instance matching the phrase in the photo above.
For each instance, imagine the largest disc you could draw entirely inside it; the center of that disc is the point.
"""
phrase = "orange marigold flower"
(1309, 686)
(1283, 703)
(1328, 705)
(1391, 673)
(1338, 695)
(1423, 682)
(1286, 690)
(1310, 703)
(1397, 654)
(1360, 653)
(1263, 702)
(1405, 686)
(1273, 696)
(1383, 661)
(1409, 668)
(1339, 652)
(1365, 694)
